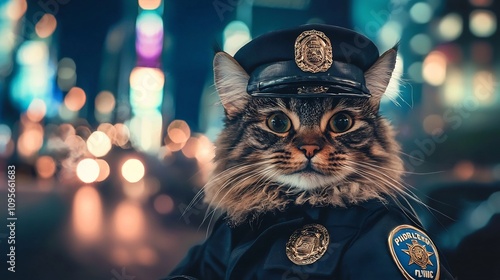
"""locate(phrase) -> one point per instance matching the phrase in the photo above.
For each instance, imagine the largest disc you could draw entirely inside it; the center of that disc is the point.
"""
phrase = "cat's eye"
(279, 122)
(340, 122)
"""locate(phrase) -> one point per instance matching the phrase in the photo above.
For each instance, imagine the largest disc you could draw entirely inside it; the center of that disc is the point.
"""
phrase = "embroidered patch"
(307, 244)
(414, 253)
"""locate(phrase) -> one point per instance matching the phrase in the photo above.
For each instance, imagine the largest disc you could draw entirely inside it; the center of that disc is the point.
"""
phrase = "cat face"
(306, 143)
(321, 151)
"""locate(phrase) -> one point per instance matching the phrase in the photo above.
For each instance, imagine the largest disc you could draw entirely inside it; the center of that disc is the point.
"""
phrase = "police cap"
(309, 60)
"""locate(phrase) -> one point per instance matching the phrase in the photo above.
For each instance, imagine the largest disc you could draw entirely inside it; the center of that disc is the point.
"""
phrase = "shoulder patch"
(414, 253)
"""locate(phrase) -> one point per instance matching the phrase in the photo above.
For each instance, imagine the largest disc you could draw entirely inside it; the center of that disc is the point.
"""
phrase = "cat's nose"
(309, 150)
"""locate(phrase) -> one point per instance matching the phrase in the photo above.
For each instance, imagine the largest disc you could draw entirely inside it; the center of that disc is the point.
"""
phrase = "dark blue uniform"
(358, 247)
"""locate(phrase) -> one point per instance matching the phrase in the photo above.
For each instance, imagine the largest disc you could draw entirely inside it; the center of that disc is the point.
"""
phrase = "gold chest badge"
(307, 244)
(313, 51)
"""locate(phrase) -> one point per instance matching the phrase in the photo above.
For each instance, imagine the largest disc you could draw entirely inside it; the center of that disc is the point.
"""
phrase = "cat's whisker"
(400, 191)
(200, 193)
(396, 184)
(241, 171)
(230, 173)
(403, 189)
(260, 175)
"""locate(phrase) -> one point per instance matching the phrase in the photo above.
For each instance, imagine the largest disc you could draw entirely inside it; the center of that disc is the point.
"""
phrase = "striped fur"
(257, 170)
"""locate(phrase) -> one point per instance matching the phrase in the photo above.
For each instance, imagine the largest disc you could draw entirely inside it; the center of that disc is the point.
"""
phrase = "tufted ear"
(231, 83)
(379, 75)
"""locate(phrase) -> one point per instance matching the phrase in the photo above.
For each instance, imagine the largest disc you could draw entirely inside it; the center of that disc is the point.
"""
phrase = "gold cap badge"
(313, 51)
(307, 244)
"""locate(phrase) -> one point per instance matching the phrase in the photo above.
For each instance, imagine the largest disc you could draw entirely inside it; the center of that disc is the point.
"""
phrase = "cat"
(259, 170)
(310, 186)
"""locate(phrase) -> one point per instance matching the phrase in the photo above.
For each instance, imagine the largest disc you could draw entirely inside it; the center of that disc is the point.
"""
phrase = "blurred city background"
(108, 113)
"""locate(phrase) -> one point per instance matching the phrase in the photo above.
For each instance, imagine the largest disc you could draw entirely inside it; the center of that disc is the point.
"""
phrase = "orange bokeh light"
(104, 170)
(128, 222)
(46, 26)
(87, 214)
(45, 167)
(16, 9)
(30, 142)
(75, 99)
(178, 131)
(149, 4)
(191, 147)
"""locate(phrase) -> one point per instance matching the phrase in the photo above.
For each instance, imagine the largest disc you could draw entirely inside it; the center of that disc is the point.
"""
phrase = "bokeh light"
(421, 12)
(482, 23)
(104, 170)
(133, 170)
(45, 167)
(178, 131)
(390, 33)
(37, 110)
(163, 204)
(146, 85)
(66, 74)
(450, 27)
(149, 40)
(75, 99)
(464, 170)
(46, 26)
(30, 141)
(32, 53)
(87, 214)
(146, 128)
(434, 68)
(484, 86)
(105, 102)
(421, 44)
(147, 79)
(191, 148)
(454, 87)
(87, 170)
(206, 150)
(236, 34)
(16, 9)
(98, 144)
(128, 222)
(149, 4)
(433, 124)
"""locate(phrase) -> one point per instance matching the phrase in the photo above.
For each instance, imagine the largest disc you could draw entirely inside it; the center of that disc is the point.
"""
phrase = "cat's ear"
(379, 75)
(231, 83)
